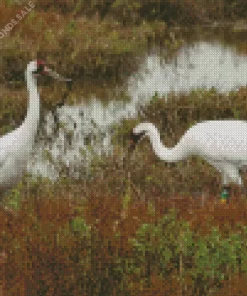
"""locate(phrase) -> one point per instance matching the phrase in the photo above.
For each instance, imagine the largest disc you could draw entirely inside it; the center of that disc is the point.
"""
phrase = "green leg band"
(225, 195)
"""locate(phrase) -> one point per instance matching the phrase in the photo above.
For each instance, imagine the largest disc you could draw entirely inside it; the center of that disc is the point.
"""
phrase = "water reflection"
(85, 130)
(202, 65)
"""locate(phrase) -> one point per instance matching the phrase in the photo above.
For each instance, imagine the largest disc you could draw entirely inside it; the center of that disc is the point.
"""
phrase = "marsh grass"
(142, 227)
(99, 39)
(61, 245)
(83, 47)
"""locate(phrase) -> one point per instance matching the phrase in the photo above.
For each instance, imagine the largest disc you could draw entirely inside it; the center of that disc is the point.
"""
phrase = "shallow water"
(86, 129)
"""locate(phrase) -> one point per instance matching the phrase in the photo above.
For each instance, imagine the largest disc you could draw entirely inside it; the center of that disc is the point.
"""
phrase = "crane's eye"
(141, 135)
(135, 138)
(40, 67)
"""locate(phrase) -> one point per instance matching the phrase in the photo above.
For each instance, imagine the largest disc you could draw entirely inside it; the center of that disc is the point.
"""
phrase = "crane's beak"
(134, 139)
(54, 74)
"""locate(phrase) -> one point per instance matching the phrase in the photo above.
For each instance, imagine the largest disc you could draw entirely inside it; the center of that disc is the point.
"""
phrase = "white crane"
(16, 146)
(222, 143)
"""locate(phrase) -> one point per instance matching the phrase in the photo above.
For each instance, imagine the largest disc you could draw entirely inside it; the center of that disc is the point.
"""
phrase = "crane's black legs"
(225, 194)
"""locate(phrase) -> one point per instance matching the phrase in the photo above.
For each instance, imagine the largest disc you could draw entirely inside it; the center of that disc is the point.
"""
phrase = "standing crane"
(16, 146)
(222, 143)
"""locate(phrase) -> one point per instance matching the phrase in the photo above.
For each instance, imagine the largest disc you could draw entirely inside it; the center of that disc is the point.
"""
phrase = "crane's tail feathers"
(232, 173)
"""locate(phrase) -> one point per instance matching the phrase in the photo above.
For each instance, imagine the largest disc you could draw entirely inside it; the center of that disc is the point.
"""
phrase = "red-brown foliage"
(204, 212)
(107, 215)
(158, 286)
(38, 253)
(236, 286)
(41, 254)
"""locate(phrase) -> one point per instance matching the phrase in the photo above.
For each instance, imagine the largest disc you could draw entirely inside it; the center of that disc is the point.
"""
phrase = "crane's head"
(141, 130)
(39, 67)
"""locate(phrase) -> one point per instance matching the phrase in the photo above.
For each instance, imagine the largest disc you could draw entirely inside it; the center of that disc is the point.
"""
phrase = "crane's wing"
(220, 140)
(3, 158)
(7, 146)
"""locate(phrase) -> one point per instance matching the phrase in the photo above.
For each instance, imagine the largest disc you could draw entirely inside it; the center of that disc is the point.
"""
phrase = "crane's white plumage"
(15, 147)
(223, 143)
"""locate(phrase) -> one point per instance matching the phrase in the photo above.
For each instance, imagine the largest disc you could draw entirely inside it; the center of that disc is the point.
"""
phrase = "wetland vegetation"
(139, 227)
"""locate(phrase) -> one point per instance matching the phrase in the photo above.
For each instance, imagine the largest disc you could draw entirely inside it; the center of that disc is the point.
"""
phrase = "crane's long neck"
(30, 124)
(179, 152)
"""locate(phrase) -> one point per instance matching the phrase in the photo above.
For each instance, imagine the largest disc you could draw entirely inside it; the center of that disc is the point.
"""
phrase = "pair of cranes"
(222, 143)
